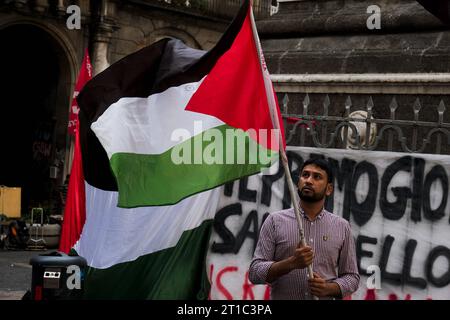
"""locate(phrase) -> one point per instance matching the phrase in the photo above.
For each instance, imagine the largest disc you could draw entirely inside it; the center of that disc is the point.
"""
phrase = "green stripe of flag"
(155, 179)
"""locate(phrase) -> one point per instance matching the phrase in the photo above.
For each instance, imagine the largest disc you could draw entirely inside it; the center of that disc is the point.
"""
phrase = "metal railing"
(225, 9)
(385, 122)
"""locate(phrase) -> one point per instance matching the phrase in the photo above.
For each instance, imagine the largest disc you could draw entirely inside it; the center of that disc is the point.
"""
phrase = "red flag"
(75, 209)
(84, 76)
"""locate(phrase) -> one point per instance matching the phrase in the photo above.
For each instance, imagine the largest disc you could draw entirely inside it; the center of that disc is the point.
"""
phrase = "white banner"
(397, 205)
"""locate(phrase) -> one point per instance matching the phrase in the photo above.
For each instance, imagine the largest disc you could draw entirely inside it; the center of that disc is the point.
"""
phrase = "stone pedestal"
(332, 37)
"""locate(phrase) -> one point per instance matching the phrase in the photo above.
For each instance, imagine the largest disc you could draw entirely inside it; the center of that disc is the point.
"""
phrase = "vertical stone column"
(60, 8)
(100, 60)
(105, 26)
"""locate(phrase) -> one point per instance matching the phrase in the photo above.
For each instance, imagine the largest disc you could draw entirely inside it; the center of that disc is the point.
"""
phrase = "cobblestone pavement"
(15, 273)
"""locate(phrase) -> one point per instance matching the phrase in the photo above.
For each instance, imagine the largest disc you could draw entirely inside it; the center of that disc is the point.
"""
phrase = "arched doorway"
(35, 91)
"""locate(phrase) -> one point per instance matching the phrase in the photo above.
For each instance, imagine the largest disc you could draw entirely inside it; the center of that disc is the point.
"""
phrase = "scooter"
(16, 237)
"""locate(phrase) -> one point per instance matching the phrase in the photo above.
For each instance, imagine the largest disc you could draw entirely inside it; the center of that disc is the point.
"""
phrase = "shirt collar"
(319, 216)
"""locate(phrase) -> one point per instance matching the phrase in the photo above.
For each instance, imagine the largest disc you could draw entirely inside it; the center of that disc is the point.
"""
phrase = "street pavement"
(15, 273)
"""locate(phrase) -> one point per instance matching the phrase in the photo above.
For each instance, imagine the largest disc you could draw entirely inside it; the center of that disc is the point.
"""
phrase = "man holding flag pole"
(281, 260)
(268, 266)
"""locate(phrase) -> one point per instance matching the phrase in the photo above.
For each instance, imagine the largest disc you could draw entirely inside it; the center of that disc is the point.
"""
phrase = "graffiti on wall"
(396, 203)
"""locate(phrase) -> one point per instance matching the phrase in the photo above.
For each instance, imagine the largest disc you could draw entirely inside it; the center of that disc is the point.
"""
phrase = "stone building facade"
(311, 46)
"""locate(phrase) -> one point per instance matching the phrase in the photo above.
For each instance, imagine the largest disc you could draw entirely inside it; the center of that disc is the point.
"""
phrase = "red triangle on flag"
(234, 90)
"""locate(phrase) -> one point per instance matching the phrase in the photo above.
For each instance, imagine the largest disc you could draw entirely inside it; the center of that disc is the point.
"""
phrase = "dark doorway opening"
(29, 76)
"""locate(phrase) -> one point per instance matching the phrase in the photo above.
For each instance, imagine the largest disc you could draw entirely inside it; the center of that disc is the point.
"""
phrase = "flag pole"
(276, 124)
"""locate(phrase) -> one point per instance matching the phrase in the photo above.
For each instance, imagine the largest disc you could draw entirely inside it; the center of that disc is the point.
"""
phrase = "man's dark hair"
(322, 164)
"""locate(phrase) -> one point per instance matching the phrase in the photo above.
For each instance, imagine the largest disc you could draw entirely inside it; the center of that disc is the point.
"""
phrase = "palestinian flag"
(439, 8)
(160, 131)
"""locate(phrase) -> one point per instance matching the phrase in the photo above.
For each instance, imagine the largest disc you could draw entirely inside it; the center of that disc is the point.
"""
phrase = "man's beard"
(314, 197)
